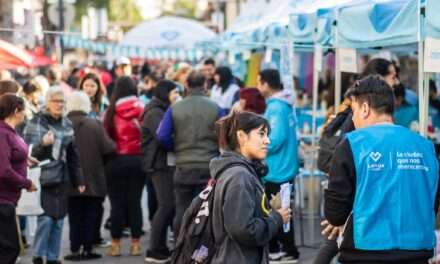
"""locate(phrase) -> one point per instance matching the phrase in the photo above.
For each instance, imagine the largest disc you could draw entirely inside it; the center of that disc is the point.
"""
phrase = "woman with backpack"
(242, 220)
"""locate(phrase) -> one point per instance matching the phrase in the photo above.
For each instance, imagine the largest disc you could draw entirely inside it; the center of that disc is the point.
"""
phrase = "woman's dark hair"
(399, 91)
(374, 91)
(96, 100)
(377, 66)
(9, 86)
(226, 77)
(228, 127)
(272, 78)
(163, 89)
(31, 87)
(9, 103)
(124, 87)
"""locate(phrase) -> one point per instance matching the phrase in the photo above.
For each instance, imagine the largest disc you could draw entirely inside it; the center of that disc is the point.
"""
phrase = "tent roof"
(168, 32)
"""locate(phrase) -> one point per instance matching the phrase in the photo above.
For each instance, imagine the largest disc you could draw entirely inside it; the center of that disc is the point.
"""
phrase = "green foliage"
(118, 10)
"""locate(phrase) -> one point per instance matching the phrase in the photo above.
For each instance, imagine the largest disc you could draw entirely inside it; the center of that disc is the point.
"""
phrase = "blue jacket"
(282, 158)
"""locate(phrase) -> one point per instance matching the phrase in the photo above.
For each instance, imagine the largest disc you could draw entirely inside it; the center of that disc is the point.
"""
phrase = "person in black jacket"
(242, 219)
(52, 137)
(84, 208)
(156, 166)
(382, 191)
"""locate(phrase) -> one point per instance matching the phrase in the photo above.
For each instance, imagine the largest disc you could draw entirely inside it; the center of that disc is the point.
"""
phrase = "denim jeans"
(47, 241)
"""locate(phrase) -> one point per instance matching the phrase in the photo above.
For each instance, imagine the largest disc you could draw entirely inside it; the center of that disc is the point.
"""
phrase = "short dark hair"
(209, 61)
(31, 87)
(377, 66)
(163, 89)
(196, 80)
(272, 78)
(228, 126)
(9, 86)
(374, 91)
(9, 103)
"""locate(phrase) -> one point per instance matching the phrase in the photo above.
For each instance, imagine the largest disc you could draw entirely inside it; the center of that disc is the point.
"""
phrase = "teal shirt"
(282, 158)
(405, 115)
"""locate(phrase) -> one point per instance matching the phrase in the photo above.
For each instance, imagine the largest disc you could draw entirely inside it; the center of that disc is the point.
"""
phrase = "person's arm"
(106, 145)
(165, 131)
(244, 227)
(279, 125)
(7, 173)
(339, 197)
(73, 165)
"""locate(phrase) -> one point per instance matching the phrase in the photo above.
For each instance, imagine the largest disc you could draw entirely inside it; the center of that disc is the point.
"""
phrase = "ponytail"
(228, 127)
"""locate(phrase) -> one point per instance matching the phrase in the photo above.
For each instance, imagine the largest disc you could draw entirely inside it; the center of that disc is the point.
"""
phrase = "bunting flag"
(75, 42)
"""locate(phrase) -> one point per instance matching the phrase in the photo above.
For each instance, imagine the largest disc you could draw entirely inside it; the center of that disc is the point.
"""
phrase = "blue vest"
(396, 185)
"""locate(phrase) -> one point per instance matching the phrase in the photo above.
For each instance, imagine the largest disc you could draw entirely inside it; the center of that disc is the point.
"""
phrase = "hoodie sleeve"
(339, 197)
(7, 173)
(165, 131)
(279, 124)
(245, 227)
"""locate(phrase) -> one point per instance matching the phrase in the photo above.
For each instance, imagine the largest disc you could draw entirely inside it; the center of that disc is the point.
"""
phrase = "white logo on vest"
(375, 157)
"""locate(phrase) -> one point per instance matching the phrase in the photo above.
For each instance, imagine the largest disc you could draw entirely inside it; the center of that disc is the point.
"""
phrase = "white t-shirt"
(225, 100)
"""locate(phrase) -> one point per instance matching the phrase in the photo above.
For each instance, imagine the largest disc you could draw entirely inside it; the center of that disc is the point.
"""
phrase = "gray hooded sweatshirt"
(243, 223)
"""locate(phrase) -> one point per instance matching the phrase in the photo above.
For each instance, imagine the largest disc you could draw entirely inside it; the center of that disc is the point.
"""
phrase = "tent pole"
(423, 93)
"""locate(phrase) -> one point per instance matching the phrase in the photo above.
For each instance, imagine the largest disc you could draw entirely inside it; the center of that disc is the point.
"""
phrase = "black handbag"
(53, 174)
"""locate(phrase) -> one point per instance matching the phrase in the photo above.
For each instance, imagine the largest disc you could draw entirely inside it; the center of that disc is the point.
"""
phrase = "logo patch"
(375, 156)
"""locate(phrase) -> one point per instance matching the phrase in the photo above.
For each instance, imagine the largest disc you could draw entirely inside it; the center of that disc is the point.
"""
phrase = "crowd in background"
(168, 128)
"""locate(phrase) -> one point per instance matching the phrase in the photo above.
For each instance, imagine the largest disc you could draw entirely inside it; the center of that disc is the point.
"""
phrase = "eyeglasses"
(58, 101)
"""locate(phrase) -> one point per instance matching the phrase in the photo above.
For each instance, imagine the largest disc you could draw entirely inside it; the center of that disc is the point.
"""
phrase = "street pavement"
(310, 234)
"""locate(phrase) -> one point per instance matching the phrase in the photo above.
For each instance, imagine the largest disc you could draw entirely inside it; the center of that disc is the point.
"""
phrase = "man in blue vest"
(382, 194)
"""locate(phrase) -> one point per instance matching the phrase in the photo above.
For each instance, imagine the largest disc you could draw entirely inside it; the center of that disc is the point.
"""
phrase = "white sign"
(268, 56)
(318, 58)
(348, 60)
(231, 58)
(246, 55)
(286, 66)
(68, 14)
(432, 55)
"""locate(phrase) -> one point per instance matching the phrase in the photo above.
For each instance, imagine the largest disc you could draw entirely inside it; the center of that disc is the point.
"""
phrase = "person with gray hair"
(52, 137)
(93, 146)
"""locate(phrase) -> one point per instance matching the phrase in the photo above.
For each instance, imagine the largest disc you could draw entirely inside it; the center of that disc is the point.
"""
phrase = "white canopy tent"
(168, 32)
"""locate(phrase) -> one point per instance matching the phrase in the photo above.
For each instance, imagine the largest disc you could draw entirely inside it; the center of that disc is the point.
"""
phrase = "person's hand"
(33, 188)
(81, 188)
(48, 138)
(330, 230)
(286, 214)
(275, 201)
(31, 161)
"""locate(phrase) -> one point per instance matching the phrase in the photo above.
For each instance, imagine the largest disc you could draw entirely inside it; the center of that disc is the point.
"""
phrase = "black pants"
(163, 185)
(327, 251)
(152, 200)
(126, 181)
(9, 240)
(97, 238)
(287, 240)
(188, 183)
(83, 218)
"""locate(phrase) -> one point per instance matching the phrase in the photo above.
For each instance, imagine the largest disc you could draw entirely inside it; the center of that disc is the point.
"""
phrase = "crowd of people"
(171, 129)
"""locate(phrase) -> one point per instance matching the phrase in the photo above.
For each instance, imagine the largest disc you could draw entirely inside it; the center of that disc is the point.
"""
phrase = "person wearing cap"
(122, 68)
(383, 192)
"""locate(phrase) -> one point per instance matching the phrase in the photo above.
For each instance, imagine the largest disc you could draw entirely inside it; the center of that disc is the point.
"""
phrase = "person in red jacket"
(125, 176)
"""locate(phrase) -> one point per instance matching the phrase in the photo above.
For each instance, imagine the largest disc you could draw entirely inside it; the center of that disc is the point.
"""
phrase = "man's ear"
(366, 110)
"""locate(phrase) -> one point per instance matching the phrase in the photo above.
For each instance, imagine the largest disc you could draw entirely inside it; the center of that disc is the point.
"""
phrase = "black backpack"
(196, 243)
(331, 136)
